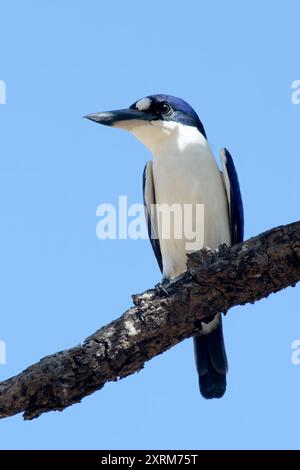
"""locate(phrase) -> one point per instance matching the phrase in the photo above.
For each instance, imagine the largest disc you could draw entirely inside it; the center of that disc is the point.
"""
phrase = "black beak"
(109, 118)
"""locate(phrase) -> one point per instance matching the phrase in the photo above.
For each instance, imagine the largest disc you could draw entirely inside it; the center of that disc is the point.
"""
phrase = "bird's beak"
(124, 118)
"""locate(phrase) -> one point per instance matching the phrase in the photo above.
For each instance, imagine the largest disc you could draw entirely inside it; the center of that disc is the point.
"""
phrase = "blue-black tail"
(211, 363)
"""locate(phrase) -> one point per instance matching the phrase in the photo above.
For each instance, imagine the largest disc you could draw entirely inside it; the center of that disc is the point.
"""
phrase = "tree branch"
(214, 282)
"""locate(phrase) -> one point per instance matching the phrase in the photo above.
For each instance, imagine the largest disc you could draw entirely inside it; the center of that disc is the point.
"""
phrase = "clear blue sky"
(234, 62)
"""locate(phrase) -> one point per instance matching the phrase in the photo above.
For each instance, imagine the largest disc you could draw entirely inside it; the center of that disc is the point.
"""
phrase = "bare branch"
(214, 282)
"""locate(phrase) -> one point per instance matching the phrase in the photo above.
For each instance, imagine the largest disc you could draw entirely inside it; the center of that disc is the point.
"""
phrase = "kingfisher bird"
(183, 171)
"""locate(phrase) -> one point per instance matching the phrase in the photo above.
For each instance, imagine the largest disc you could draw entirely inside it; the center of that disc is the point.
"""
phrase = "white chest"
(188, 176)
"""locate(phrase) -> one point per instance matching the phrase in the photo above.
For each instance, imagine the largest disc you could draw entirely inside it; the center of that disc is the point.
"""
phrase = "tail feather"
(211, 363)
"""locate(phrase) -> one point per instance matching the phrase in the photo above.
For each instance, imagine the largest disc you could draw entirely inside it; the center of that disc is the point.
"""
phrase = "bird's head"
(153, 120)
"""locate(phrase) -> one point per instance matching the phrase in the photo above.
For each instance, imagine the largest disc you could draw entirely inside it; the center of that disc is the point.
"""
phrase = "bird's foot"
(161, 287)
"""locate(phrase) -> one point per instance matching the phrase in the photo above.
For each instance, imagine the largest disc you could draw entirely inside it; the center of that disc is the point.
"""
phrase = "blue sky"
(234, 63)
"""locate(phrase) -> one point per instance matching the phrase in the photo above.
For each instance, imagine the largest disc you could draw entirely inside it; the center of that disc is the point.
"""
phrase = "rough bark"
(214, 282)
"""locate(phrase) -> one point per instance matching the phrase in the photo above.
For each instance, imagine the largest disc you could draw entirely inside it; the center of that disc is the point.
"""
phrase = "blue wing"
(236, 211)
(209, 349)
(149, 201)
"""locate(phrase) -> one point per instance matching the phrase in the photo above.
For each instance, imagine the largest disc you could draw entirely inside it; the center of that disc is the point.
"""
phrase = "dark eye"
(165, 109)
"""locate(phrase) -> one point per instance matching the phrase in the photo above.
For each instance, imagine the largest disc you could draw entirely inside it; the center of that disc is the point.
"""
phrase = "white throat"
(162, 137)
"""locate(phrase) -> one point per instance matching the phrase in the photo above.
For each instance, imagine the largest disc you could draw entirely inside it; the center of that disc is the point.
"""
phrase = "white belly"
(190, 176)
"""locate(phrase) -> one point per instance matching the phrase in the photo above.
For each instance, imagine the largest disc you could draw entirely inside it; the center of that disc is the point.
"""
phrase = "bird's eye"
(165, 109)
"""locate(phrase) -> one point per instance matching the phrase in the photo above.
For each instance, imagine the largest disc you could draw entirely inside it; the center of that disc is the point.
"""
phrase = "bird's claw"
(161, 287)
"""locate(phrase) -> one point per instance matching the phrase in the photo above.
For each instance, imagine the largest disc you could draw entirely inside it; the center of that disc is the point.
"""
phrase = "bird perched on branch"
(184, 178)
